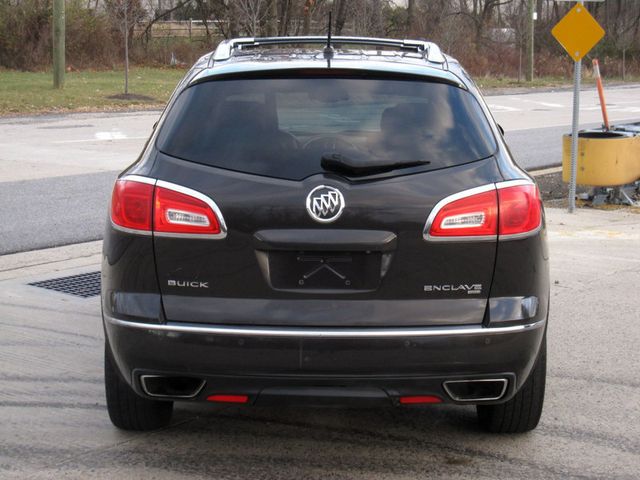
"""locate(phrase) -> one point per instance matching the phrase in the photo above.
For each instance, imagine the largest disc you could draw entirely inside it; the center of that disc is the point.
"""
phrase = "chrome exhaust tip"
(479, 390)
(167, 386)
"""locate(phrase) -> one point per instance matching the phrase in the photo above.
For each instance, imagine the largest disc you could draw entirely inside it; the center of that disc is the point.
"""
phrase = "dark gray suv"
(326, 226)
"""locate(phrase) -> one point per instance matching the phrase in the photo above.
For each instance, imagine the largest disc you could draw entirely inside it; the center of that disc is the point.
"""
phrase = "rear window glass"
(282, 127)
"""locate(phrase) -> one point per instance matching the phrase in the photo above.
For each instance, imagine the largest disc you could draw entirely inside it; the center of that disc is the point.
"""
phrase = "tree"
(481, 13)
(622, 28)
(306, 16)
(411, 18)
(161, 14)
(340, 15)
(251, 13)
(273, 18)
(126, 13)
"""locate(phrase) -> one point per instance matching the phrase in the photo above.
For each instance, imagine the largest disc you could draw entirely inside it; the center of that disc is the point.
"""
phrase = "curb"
(545, 171)
(50, 259)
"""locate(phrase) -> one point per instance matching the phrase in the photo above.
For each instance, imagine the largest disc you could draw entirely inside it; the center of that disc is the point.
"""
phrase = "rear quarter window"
(282, 127)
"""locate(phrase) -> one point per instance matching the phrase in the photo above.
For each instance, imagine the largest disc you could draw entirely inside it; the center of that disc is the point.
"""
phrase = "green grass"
(33, 92)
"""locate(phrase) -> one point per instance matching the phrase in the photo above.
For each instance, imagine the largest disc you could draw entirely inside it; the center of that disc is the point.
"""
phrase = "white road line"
(552, 105)
(557, 125)
(537, 102)
(110, 135)
(624, 109)
(503, 108)
(100, 139)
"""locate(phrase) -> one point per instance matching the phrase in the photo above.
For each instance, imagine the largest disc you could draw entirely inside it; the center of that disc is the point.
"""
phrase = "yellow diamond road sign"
(578, 32)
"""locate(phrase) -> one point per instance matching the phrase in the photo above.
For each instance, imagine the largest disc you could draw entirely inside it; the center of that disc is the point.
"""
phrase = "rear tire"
(521, 413)
(127, 410)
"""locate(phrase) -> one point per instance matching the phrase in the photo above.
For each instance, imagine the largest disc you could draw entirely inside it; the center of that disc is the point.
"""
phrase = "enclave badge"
(325, 204)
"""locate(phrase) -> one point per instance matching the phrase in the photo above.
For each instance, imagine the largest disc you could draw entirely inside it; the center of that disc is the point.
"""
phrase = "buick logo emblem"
(325, 204)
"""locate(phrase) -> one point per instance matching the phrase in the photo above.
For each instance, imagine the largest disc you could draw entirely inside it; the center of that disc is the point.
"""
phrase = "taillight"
(419, 399)
(131, 205)
(504, 210)
(520, 209)
(144, 205)
(222, 398)
(472, 216)
(177, 212)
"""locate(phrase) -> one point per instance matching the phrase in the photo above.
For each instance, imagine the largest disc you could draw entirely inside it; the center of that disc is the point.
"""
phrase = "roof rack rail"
(430, 51)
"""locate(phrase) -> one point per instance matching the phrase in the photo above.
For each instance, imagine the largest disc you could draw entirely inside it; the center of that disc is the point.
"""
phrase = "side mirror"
(501, 129)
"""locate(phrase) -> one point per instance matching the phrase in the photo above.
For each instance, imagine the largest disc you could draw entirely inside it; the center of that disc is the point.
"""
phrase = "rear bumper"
(364, 363)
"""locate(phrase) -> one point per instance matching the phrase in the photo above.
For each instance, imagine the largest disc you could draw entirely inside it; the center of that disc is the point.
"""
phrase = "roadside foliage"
(488, 36)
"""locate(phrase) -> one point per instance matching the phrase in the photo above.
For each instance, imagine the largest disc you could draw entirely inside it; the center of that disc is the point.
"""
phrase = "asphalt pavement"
(56, 174)
(54, 424)
(49, 212)
(57, 171)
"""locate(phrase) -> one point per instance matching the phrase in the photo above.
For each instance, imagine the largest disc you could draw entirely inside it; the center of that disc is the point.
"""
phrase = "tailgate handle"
(325, 239)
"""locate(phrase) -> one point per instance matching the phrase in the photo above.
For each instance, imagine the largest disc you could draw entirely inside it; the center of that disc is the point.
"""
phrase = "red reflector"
(177, 212)
(131, 204)
(520, 209)
(472, 216)
(228, 398)
(412, 400)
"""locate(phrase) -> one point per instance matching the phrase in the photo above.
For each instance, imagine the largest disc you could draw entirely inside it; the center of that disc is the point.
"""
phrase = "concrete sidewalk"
(54, 423)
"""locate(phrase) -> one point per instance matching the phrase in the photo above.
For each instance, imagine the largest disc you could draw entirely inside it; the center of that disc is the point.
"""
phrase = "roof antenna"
(328, 50)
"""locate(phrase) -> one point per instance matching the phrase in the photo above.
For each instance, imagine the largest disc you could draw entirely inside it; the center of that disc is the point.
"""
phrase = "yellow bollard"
(605, 159)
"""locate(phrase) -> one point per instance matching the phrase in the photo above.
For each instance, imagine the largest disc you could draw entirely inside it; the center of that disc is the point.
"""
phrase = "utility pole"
(531, 10)
(274, 18)
(58, 43)
(126, 47)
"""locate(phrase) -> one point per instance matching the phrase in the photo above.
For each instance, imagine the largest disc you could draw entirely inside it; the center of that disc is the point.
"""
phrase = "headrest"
(241, 115)
(405, 116)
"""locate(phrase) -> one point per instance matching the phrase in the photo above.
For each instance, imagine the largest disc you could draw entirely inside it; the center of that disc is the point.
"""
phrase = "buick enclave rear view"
(326, 227)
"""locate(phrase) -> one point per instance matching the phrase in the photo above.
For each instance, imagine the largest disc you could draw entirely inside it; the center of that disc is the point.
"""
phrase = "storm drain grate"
(84, 285)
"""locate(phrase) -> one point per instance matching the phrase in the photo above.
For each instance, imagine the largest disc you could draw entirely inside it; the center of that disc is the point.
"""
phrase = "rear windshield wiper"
(337, 162)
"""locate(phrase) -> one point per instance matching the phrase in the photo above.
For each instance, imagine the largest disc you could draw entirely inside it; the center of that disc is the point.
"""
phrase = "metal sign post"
(577, 77)
(577, 32)
(58, 43)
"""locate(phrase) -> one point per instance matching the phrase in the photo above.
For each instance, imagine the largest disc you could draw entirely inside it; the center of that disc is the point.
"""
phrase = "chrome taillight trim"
(180, 189)
(518, 236)
(133, 231)
(139, 179)
(467, 193)
(200, 196)
(452, 198)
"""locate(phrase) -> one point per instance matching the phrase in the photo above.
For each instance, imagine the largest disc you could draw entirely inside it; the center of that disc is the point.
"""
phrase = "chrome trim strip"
(517, 236)
(139, 179)
(504, 381)
(297, 332)
(199, 196)
(451, 198)
(144, 388)
(133, 231)
(513, 183)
